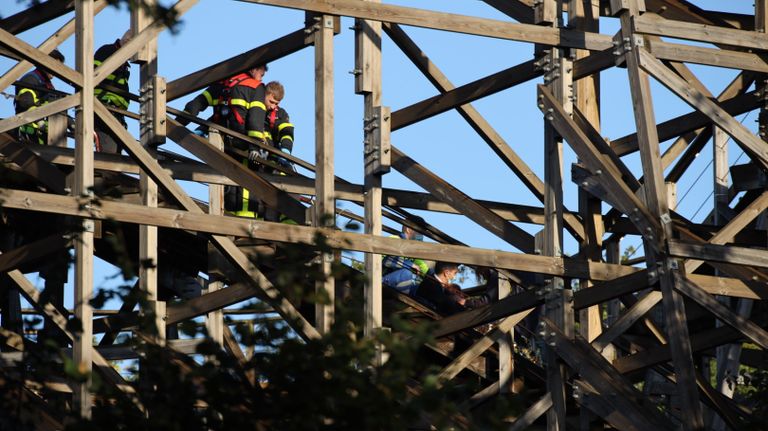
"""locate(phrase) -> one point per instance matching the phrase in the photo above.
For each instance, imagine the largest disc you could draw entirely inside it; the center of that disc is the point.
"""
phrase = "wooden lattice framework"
(709, 272)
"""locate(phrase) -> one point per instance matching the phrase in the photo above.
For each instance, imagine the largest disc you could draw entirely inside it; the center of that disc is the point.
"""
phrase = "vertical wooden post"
(324, 176)
(506, 352)
(215, 319)
(147, 56)
(83, 343)
(584, 15)
(556, 305)
(612, 255)
(368, 83)
(720, 173)
(655, 196)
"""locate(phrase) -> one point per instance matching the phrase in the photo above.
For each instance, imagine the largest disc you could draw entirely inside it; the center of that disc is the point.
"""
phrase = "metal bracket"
(378, 146)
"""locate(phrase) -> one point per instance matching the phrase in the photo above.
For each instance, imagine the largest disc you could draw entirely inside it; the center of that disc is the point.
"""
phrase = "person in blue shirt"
(403, 273)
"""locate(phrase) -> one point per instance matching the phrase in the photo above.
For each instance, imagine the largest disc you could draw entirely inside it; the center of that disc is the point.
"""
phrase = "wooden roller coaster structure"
(697, 297)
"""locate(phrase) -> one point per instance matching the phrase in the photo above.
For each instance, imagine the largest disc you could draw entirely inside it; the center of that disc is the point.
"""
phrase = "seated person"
(403, 273)
(438, 292)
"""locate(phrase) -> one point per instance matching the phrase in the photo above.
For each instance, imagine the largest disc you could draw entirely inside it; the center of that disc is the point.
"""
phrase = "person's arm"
(200, 103)
(257, 114)
(285, 130)
(26, 99)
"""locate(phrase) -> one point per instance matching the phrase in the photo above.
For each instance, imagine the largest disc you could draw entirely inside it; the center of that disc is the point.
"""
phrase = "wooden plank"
(51, 313)
(368, 62)
(708, 56)
(656, 199)
(478, 123)
(534, 412)
(33, 55)
(247, 269)
(467, 93)
(46, 47)
(193, 220)
(500, 331)
(35, 114)
(148, 241)
(720, 253)
(20, 154)
(627, 319)
(13, 259)
(718, 285)
(742, 324)
(271, 51)
(516, 9)
(595, 370)
(589, 398)
(325, 203)
(463, 203)
(450, 22)
(215, 320)
(83, 353)
(749, 142)
(615, 185)
(650, 24)
(236, 171)
(685, 123)
(38, 13)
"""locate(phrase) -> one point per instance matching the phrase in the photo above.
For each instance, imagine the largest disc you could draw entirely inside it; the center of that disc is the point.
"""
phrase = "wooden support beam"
(148, 241)
(325, 203)
(463, 203)
(720, 253)
(650, 24)
(277, 49)
(517, 9)
(683, 124)
(656, 200)
(243, 176)
(450, 22)
(83, 353)
(587, 152)
(215, 320)
(534, 412)
(38, 13)
(46, 47)
(500, 331)
(708, 56)
(51, 177)
(196, 221)
(748, 141)
(35, 114)
(467, 93)
(742, 324)
(627, 319)
(248, 271)
(368, 83)
(478, 123)
(598, 373)
(13, 259)
(33, 55)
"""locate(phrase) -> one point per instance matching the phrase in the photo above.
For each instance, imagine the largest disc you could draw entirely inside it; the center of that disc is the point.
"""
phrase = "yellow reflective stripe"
(97, 62)
(267, 135)
(257, 104)
(121, 81)
(287, 137)
(111, 77)
(28, 90)
(208, 98)
(239, 102)
(256, 134)
(283, 126)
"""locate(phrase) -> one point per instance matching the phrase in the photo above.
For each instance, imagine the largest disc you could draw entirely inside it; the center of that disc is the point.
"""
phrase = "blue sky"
(215, 30)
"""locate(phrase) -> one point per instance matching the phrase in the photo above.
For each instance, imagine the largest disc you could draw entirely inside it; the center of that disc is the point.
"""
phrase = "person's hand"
(254, 155)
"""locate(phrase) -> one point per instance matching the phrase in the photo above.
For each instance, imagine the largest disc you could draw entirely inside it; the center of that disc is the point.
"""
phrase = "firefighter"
(33, 90)
(278, 127)
(117, 80)
(239, 103)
